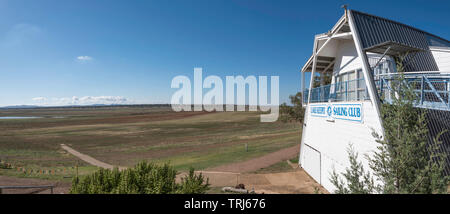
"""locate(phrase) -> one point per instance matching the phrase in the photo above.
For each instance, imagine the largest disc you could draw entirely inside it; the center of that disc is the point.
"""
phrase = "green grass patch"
(282, 166)
(295, 159)
(230, 154)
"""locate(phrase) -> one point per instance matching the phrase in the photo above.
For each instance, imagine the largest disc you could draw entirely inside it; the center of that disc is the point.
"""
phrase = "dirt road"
(88, 158)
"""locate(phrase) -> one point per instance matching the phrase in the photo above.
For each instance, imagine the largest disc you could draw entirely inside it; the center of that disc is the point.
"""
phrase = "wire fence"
(29, 170)
(39, 188)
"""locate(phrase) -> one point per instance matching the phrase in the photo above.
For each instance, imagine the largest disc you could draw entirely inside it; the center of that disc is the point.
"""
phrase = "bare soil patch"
(295, 182)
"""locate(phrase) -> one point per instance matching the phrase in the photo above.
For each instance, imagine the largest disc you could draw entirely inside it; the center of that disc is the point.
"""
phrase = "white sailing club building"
(358, 54)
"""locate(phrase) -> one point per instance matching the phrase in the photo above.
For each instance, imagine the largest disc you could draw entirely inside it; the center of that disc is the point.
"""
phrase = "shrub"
(4, 165)
(144, 178)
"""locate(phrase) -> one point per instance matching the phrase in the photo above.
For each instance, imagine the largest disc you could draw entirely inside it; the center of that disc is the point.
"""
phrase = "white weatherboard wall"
(442, 57)
(331, 140)
(346, 57)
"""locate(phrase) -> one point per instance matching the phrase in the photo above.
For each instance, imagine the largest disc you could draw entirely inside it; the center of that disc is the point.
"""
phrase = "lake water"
(13, 118)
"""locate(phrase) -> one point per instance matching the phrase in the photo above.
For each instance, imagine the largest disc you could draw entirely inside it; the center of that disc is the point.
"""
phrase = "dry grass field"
(123, 136)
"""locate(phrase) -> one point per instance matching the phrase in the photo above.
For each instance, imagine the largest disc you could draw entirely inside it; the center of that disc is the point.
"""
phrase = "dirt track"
(88, 158)
(260, 162)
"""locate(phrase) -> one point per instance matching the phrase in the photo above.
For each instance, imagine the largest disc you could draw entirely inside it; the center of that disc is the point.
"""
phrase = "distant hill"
(21, 106)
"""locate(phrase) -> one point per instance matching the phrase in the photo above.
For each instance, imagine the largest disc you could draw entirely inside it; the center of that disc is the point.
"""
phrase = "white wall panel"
(346, 57)
(311, 162)
(442, 58)
(332, 139)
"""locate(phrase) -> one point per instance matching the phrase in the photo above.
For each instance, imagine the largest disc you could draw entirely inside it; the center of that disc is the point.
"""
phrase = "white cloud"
(86, 100)
(84, 58)
(39, 99)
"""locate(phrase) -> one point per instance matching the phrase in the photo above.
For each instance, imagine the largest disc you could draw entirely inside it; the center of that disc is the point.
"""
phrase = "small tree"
(406, 162)
(296, 112)
(357, 180)
(323, 79)
(285, 113)
(193, 184)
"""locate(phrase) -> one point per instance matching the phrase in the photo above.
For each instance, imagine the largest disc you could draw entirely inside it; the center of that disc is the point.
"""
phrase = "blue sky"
(55, 52)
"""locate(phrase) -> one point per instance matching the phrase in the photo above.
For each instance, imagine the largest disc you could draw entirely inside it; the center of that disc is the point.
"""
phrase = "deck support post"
(421, 90)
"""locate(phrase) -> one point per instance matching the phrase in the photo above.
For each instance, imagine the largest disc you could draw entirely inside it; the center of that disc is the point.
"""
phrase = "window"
(361, 85)
(350, 86)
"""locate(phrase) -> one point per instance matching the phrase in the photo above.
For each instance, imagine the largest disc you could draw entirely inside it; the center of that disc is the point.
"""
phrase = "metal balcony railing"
(432, 89)
(352, 90)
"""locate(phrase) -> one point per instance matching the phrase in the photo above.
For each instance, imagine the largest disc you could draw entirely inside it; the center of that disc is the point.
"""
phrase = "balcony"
(353, 90)
(432, 90)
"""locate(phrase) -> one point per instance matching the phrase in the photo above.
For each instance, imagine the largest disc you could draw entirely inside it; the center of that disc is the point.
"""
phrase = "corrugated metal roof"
(374, 30)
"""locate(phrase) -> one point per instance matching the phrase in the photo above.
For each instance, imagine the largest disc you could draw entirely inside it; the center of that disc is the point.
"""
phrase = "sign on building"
(340, 111)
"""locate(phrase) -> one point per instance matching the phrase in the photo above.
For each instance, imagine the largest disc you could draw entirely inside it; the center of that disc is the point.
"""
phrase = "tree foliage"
(144, 178)
(318, 81)
(357, 180)
(296, 112)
